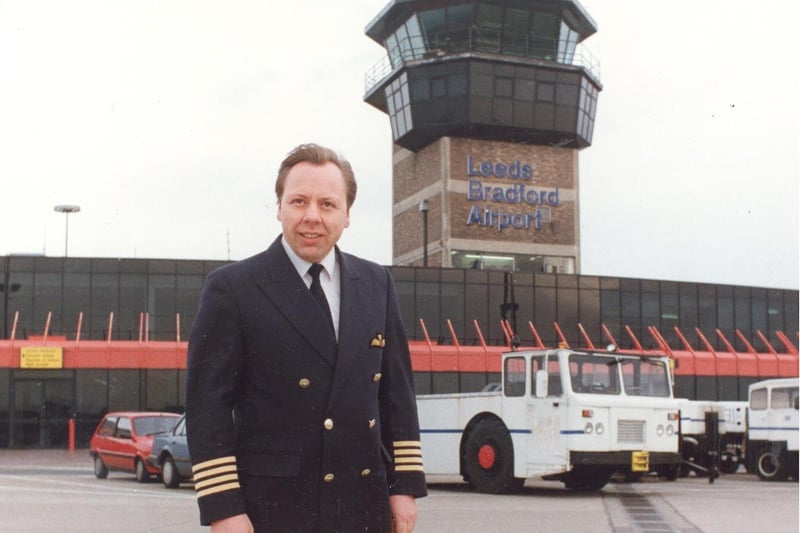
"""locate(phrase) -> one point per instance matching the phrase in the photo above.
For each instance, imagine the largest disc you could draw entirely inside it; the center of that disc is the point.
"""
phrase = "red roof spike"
(763, 339)
(536, 336)
(684, 341)
(586, 338)
(608, 335)
(728, 345)
(636, 343)
(453, 334)
(562, 340)
(791, 348)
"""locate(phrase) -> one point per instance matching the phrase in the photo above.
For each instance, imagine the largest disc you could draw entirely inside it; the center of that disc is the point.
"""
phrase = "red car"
(123, 441)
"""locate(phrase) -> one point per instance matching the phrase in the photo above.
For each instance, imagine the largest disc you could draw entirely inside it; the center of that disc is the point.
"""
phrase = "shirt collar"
(301, 265)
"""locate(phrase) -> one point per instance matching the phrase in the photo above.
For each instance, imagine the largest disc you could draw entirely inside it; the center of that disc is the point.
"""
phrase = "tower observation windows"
(483, 27)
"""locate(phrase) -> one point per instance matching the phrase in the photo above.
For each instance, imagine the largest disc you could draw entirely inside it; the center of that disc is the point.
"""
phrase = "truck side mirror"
(541, 384)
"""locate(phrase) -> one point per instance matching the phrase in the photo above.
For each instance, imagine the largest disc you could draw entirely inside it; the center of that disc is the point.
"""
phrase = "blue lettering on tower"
(499, 169)
(509, 193)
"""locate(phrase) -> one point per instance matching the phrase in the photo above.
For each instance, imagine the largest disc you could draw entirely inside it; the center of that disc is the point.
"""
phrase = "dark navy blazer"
(301, 432)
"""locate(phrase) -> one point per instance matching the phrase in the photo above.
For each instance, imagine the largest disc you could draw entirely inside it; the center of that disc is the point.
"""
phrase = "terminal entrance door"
(40, 412)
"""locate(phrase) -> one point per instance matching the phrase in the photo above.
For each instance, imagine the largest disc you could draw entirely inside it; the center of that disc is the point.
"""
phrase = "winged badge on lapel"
(377, 341)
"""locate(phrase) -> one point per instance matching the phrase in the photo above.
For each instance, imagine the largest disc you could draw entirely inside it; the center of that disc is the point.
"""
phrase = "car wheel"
(142, 475)
(100, 468)
(169, 474)
(489, 459)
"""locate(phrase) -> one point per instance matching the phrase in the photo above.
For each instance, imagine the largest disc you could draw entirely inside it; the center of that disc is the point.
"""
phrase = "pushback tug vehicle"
(572, 416)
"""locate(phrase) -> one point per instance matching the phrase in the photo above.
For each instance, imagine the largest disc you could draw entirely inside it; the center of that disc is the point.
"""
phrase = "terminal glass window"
(512, 262)
(123, 390)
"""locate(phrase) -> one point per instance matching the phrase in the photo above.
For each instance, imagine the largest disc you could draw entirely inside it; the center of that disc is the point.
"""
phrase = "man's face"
(313, 209)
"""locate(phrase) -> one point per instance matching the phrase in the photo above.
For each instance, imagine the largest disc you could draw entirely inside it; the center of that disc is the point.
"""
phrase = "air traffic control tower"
(489, 103)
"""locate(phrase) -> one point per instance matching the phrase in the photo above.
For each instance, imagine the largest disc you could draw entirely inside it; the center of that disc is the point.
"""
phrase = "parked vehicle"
(772, 435)
(124, 440)
(570, 416)
(718, 448)
(170, 454)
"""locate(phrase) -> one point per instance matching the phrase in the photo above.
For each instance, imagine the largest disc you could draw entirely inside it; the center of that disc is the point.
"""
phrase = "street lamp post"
(67, 209)
(423, 207)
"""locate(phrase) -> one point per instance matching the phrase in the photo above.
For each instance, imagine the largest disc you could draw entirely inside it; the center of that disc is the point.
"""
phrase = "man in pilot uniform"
(300, 404)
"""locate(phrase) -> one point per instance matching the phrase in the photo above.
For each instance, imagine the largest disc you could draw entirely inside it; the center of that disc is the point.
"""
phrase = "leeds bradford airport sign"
(513, 192)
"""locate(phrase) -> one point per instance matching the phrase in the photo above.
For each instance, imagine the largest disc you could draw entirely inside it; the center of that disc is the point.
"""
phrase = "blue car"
(171, 454)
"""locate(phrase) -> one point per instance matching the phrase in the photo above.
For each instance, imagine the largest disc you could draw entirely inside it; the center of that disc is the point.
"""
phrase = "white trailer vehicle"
(722, 447)
(772, 431)
(571, 416)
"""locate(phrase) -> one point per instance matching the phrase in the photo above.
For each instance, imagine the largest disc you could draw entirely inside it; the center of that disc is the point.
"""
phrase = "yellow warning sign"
(640, 461)
(41, 357)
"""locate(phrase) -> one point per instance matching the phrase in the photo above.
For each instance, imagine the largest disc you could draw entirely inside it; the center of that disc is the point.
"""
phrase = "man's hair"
(317, 155)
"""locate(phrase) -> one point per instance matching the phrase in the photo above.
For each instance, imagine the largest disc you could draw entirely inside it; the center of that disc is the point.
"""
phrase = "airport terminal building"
(154, 300)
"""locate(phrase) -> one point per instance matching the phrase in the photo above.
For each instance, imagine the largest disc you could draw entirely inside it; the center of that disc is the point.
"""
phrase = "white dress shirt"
(329, 278)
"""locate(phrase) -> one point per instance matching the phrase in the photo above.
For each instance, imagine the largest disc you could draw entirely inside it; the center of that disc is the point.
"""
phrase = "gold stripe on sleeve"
(407, 444)
(409, 468)
(215, 481)
(230, 459)
(408, 460)
(416, 452)
(216, 489)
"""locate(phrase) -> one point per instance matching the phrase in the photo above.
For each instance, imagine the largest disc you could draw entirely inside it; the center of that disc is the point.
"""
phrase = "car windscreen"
(147, 425)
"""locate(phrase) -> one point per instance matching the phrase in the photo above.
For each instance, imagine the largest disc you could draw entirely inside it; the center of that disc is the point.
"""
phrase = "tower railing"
(415, 48)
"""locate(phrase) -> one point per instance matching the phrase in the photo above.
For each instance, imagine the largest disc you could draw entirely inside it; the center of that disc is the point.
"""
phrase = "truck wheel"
(769, 466)
(489, 459)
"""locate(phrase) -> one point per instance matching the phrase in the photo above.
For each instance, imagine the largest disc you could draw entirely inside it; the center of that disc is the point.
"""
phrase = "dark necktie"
(319, 294)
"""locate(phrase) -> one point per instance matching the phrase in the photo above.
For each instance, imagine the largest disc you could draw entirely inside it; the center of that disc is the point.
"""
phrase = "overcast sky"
(166, 121)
